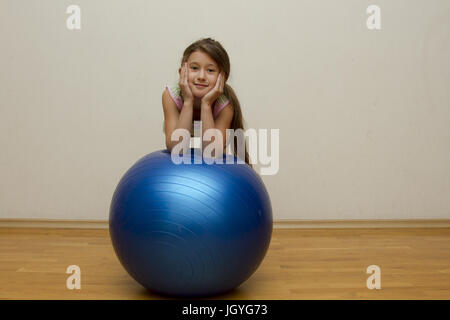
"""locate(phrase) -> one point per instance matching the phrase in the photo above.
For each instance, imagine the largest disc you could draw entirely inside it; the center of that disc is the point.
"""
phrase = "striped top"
(175, 93)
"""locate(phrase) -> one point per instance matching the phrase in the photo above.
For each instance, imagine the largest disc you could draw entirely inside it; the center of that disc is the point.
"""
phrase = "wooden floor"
(300, 264)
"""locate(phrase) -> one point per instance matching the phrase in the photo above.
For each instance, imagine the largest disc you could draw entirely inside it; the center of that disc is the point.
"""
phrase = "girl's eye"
(195, 68)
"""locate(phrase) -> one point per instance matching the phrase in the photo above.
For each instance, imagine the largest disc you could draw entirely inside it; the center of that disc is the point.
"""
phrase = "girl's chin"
(198, 96)
(199, 90)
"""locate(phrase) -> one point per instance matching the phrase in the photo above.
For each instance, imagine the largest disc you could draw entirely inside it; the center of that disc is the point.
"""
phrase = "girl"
(202, 94)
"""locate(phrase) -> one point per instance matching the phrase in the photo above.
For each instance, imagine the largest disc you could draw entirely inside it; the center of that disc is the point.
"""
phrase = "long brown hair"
(215, 50)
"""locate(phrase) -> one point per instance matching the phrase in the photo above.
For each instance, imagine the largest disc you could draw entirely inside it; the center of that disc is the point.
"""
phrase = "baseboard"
(54, 224)
(362, 224)
(277, 224)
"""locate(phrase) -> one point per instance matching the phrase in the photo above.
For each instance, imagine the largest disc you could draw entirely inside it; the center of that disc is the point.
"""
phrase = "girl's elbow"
(169, 144)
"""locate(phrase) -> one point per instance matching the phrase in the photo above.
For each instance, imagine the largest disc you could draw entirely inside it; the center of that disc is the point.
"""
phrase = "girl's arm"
(225, 117)
(173, 119)
(222, 122)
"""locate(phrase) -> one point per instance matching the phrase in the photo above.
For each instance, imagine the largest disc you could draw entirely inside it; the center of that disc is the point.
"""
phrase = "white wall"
(363, 115)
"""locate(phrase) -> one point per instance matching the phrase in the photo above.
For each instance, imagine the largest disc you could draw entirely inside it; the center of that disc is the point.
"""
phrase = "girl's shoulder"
(222, 100)
(175, 92)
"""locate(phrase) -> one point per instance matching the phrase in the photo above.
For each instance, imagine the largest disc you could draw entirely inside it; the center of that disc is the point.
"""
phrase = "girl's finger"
(222, 82)
(219, 81)
(182, 74)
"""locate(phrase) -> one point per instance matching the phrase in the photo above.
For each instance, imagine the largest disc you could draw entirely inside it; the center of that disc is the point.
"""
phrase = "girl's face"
(203, 72)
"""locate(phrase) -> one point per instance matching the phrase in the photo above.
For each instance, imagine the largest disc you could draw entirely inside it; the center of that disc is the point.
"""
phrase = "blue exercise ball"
(190, 229)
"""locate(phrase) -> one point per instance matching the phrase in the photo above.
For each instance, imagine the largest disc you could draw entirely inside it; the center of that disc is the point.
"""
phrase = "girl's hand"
(184, 86)
(212, 95)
